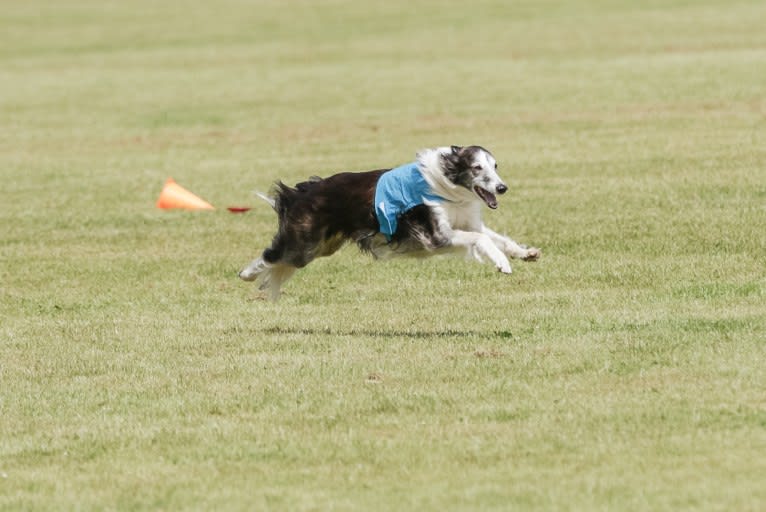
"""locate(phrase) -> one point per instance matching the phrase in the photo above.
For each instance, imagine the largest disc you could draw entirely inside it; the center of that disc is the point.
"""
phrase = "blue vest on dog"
(397, 191)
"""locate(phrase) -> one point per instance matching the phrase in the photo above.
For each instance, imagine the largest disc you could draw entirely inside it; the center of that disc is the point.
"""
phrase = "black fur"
(458, 162)
(321, 215)
(418, 224)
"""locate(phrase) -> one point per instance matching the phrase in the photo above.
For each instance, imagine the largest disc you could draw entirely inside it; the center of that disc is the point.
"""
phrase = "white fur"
(266, 198)
(431, 167)
(460, 215)
(270, 277)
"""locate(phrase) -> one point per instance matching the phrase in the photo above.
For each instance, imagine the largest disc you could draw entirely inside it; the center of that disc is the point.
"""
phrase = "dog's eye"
(476, 167)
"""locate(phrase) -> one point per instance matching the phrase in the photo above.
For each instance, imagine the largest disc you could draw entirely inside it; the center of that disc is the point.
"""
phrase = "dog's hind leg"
(253, 270)
(274, 277)
(270, 276)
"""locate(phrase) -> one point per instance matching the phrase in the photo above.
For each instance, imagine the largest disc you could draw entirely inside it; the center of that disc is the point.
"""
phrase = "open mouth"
(487, 196)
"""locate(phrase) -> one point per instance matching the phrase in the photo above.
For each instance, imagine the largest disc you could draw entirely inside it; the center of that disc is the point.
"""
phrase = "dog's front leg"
(480, 246)
(510, 247)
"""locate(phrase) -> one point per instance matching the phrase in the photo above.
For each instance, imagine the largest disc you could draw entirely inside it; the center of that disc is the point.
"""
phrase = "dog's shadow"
(384, 333)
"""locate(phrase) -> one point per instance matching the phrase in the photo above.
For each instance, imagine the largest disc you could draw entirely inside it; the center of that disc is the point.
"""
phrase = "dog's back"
(316, 217)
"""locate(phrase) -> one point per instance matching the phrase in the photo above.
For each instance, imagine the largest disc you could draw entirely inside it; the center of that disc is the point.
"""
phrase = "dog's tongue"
(488, 197)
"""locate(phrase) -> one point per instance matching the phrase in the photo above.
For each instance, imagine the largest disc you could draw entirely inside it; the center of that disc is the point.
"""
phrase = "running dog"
(427, 207)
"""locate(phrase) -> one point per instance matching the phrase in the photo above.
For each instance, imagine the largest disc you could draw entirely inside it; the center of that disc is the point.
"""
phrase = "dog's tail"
(283, 197)
(268, 199)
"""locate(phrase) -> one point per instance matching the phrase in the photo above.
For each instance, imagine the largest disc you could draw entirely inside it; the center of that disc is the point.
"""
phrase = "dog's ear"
(451, 164)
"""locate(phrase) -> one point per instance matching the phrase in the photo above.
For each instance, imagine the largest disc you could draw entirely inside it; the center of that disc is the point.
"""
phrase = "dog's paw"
(247, 274)
(253, 270)
(504, 268)
(533, 254)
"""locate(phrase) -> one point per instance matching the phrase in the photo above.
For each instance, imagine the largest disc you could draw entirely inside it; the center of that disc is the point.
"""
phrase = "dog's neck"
(431, 166)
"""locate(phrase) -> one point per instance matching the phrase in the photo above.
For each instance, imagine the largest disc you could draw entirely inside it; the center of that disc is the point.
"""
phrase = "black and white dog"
(428, 207)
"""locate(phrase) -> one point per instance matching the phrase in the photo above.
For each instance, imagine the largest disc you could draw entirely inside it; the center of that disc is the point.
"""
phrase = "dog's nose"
(501, 189)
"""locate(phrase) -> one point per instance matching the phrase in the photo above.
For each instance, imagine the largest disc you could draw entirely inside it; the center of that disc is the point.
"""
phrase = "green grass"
(624, 371)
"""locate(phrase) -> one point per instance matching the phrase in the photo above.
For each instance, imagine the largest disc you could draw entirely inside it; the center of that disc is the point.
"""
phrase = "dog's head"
(474, 168)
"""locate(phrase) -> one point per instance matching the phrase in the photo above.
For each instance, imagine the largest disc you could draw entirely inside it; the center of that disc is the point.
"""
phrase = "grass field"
(624, 371)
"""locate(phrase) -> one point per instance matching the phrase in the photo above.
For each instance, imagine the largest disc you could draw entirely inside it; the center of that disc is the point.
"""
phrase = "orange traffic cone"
(174, 195)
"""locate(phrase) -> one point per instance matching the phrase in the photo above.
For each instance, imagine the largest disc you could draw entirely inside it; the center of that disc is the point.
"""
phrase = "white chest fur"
(464, 216)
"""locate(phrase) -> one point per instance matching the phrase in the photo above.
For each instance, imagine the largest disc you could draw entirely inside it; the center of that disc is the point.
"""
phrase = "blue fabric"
(397, 191)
